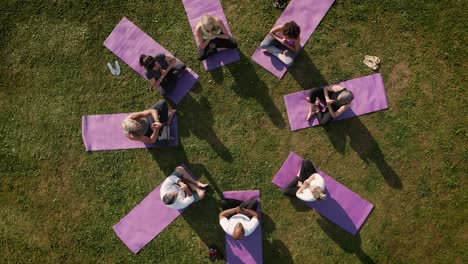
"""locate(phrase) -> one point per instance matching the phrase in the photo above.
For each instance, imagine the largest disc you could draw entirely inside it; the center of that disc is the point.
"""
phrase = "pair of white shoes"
(116, 70)
(371, 62)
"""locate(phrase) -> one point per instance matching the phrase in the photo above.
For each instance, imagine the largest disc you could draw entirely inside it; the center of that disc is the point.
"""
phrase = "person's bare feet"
(310, 115)
(202, 185)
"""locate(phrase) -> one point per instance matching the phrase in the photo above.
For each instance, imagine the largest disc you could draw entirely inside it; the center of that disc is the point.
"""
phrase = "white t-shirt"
(306, 194)
(170, 185)
(229, 224)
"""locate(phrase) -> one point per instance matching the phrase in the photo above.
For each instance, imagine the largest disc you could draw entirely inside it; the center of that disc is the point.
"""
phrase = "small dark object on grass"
(214, 253)
(280, 3)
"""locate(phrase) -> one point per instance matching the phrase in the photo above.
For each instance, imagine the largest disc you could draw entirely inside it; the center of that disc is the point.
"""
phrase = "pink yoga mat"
(195, 10)
(249, 249)
(105, 132)
(369, 96)
(128, 42)
(342, 206)
(149, 218)
(307, 14)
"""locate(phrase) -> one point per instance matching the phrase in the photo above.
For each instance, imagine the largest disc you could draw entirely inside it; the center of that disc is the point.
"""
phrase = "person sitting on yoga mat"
(308, 186)
(146, 126)
(337, 99)
(243, 217)
(162, 71)
(283, 42)
(212, 37)
(179, 190)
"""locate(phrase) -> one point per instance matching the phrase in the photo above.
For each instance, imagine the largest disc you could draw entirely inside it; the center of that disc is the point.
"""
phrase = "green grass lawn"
(58, 203)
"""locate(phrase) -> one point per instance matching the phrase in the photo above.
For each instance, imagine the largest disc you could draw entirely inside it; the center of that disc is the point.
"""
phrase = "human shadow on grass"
(346, 241)
(274, 251)
(248, 84)
(196, 117)
(203, 218)
(306, 73)
(217, 75)
(361, 141)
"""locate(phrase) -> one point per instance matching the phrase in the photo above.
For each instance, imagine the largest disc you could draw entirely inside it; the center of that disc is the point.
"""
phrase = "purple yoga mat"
(307, 14)
(249, 249)
(128, 42)
(369, 96)
(195, 10)
(342, 206)
(144, 222)
(105, 132)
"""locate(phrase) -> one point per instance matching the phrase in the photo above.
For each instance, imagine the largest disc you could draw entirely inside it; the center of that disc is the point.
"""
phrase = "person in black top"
(337, 99)
(162, 71)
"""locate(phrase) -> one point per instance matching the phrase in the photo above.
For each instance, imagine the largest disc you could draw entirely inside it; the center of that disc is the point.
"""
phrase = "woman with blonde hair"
(148, 126)
(212, 36)
(309, 186)
(337, 98)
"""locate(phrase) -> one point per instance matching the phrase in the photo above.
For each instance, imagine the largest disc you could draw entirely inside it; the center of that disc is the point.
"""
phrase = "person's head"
(291, 30)
(345, 97)
(238, 233)
(130, 125)
(169, 198)
(146, 61)
(209, 23)
(318, 193)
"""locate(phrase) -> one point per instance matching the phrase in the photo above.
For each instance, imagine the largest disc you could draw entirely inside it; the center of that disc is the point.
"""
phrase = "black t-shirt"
(156, 74)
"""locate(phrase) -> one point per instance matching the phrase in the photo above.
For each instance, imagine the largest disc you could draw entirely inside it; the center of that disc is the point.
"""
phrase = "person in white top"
(179, 190)
(308, 186)
(243, 218)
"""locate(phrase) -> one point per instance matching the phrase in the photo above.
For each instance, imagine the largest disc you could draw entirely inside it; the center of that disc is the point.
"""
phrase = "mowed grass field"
(58, 203)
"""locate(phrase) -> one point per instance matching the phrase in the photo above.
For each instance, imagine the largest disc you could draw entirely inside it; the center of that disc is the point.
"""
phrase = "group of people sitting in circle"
(179, 190)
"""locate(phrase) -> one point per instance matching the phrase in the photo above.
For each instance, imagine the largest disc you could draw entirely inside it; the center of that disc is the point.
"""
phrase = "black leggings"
(251, 204)
(170, 80)
(163, 112)
(219, 43)
(307, 169)
(323, 117)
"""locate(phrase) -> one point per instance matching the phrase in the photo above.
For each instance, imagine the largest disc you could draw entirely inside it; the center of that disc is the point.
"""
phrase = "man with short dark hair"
(243, 220)
(179, 190)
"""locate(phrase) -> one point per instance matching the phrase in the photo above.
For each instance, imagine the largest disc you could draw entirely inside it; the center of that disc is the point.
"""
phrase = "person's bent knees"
(180, 169)
(201, 54)
(201, 193)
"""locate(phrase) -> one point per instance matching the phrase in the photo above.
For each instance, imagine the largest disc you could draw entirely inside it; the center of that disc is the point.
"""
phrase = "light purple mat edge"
(128, 42)
(342, 206)
(144, 222)
(369, 96)
(248, 250)
(104, 132)
(195, 9)
(307, 14)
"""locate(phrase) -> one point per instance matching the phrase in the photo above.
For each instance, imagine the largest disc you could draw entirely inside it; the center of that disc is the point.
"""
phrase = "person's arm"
(145, 139)
(228, 212)
(185, 187)
(223, 29)
(304, 185)
(249, 212)
(143, 114)
(274, 30)
(171, 61)
(203, 42)
(338, 112)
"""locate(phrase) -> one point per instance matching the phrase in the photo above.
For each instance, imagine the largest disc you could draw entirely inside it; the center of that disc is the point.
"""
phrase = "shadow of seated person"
(248, 85)
(346, 241)
(364, 144)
